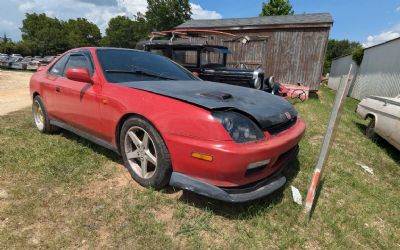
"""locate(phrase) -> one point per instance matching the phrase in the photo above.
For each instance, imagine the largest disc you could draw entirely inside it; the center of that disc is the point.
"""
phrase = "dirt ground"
(14, 91)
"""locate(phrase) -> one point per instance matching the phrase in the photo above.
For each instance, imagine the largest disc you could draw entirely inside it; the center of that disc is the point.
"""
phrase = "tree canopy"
(124, 32)
(44, 35)
(167, 14)
(160, 15)
(276, 8)
(81, 32)
(337, 48)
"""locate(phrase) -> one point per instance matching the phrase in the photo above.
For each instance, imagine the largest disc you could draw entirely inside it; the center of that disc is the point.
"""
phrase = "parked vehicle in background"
(21, 64)
(225, 142)
(16, 55)
(205, 61)
(33, 65)
(384, 115)
(3, 57)
(46, 60)
(8, 62)
(3, 60)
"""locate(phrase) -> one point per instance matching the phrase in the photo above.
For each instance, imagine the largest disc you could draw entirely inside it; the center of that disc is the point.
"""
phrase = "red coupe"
(222, 141)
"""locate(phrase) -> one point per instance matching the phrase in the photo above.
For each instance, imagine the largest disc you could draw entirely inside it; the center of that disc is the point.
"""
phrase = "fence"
(379, 73)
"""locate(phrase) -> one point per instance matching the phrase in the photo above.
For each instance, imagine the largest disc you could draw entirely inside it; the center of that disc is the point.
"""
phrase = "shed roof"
(297, 20)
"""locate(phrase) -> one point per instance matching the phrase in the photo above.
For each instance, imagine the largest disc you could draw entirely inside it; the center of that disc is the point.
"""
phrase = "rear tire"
(145, 154)
(370, 131)
(41, 117)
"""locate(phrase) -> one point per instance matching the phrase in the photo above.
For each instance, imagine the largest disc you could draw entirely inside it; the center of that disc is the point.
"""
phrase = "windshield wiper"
(139, 72)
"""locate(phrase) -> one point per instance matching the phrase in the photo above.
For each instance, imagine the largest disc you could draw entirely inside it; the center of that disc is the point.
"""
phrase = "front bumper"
(229, 167)
(244, 193)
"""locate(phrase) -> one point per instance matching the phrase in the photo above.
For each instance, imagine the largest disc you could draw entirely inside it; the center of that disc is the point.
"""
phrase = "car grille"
(278, 128)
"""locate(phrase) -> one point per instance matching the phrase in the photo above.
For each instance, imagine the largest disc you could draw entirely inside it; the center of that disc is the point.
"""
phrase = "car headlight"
(257, 79)
(257, 83)
(240, 128)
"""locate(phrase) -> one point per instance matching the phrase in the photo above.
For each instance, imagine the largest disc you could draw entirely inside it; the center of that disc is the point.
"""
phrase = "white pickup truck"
(384, 115)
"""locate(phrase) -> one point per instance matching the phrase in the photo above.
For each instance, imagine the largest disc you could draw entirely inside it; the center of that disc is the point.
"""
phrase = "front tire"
(370, 131)
(145, 154)
(41, 117)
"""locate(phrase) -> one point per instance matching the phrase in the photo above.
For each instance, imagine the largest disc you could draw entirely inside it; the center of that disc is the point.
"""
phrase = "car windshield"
(213, 56)
(14, 59)
(121, 65)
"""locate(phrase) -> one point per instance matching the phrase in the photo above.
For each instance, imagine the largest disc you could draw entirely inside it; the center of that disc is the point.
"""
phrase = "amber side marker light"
(202, 156)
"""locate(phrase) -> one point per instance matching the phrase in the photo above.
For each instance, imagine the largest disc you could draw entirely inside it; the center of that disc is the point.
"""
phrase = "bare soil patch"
(14, 90)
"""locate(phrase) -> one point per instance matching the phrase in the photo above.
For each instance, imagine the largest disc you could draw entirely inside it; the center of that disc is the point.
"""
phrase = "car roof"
(103, 48)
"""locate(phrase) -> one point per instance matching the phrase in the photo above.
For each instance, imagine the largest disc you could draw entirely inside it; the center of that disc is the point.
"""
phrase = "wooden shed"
(291, 48)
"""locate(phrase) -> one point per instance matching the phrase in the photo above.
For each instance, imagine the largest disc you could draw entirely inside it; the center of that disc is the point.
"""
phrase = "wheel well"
(369, 116)
(35, 94)
(121, 122)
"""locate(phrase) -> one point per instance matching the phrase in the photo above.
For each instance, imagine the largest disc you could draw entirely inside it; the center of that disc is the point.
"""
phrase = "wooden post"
(327, 143)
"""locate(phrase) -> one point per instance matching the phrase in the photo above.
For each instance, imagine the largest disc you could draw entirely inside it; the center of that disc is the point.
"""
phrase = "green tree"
(81, 33)
(24, 48)
(276, 8)
(46, 33)
(358, 55)
(124, 32)
(7, 48)
(167, 14)
(5, 38)
(337, 48)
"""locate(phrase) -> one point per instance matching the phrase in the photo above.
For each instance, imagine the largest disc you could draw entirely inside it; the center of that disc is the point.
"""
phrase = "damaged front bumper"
(244, 193)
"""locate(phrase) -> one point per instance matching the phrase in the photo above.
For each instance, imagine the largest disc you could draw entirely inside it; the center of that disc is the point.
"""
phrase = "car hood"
(266, 109)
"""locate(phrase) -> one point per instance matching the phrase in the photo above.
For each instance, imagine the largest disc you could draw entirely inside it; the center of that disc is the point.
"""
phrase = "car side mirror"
(78, 74)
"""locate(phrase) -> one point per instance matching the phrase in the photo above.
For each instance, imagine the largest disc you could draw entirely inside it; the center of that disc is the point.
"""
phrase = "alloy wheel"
(38, 115)
(140, 152)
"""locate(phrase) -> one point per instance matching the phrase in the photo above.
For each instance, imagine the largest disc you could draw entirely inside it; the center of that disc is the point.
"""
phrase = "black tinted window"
(58, 67)
(79, 61)
(129, 65)
(187, 58)
(161, 52)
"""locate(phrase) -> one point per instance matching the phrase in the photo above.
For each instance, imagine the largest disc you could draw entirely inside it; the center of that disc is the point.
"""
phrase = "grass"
(61, 191)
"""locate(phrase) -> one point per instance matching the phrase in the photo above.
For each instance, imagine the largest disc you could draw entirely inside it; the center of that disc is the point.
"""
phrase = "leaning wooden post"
(328, 139)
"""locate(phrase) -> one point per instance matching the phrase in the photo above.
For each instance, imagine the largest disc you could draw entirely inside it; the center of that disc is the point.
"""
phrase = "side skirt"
(85, 135)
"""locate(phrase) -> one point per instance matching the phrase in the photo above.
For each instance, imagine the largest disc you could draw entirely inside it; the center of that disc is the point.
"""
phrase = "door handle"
(58, 89)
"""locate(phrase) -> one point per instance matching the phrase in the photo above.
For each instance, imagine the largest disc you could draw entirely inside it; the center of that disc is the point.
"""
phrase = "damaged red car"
(171, 128)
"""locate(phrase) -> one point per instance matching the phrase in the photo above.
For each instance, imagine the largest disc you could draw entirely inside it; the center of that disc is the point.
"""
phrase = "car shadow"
(111, 155)
(241, 210)
(313, 95)
(389, 149)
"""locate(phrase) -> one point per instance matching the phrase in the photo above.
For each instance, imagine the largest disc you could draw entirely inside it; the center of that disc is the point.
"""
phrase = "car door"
(385, 120)
(49, 89)
(389, 123)
(79, 106)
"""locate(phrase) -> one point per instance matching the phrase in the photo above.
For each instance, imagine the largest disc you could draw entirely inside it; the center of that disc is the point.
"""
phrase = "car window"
(79, 61)
(161, 52)
(185, 58)
(58, 67)
(123, 65)
(211, 58)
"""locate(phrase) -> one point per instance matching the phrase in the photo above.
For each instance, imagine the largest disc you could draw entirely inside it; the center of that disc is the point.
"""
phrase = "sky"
(366, 21)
